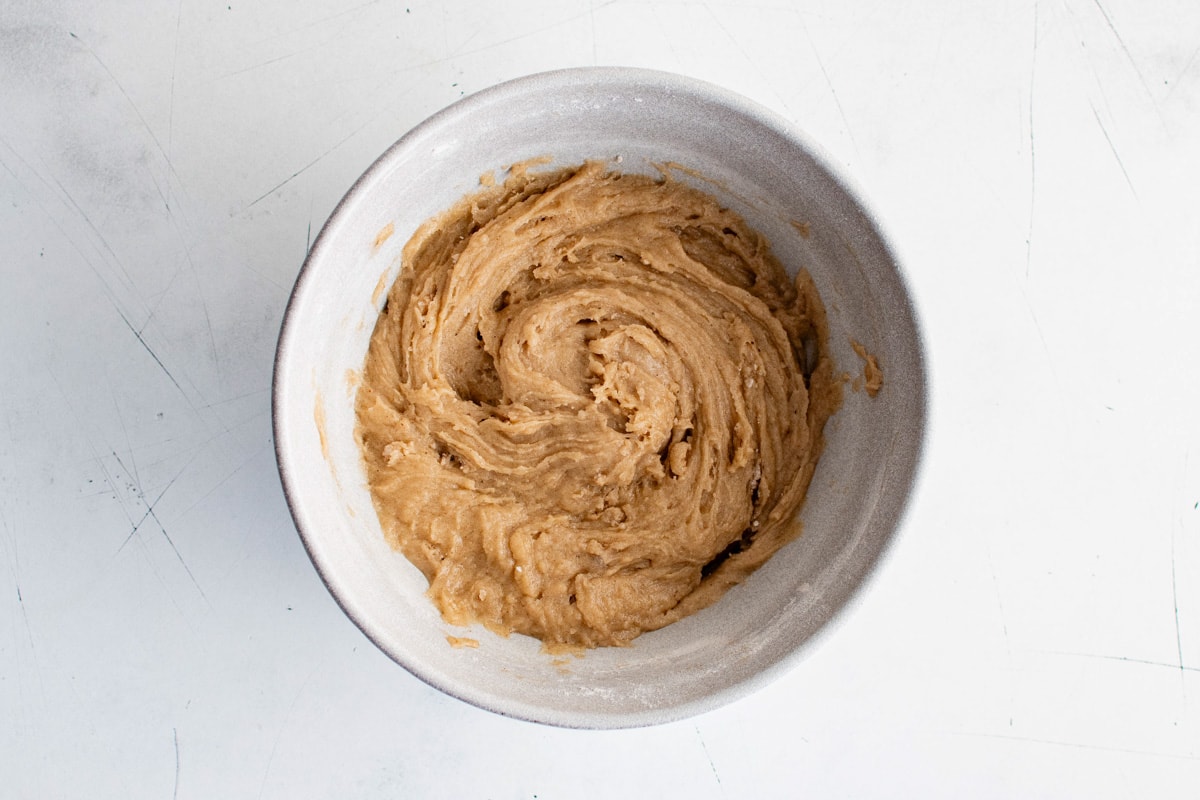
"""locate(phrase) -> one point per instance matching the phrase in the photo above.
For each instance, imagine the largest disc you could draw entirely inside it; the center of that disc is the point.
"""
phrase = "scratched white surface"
(1036, 631)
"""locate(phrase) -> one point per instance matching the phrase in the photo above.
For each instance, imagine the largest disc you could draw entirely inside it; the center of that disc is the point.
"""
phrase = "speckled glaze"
(756, 163)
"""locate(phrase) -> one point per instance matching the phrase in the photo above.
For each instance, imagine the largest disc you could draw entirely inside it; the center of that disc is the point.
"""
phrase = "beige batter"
(872, 377)
(592, 404)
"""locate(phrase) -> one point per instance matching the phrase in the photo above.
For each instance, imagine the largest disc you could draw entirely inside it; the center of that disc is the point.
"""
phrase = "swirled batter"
(592, 403)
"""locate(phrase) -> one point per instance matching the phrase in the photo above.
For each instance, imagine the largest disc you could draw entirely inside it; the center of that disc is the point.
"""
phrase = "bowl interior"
(754, 163)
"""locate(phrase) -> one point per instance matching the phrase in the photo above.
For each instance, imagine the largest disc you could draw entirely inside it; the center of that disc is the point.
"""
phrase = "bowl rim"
(598, 77)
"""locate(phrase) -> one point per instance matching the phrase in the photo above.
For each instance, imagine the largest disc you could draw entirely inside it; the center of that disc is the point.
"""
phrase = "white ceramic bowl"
(759, 165)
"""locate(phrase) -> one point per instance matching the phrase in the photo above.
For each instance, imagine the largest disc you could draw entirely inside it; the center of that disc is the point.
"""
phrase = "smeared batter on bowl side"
(592, 404)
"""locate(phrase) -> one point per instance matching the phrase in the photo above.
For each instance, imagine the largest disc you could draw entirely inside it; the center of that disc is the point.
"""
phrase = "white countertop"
(1035, 631)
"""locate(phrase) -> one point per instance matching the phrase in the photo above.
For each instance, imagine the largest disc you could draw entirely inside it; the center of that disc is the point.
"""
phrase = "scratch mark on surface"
(1078, 745)
(301, 171)
(25, 620)
(131, 473)
(234, 399)
(162, 296)
(136, 527)
(129, 282)
(308, 236)
(474, 35)
(1186, 68)
(1055, 378)
(179, 556)
(1113, 148)
(137, 478)
(171, 111)
(191, 262)
(15, 569)
(151, 505)
(766, 79)
(175, 735)
(142, 119)
(137, 335)
(141, 495)
(519, 37)
(1041, 336)
(283, 57)
(654, 9)
(353, 9)
(1126, 659)
(829, 82)
(14, 175)
(166, 588)
(150, 514)
(256, 44)
(445, 29)
(283, 726)
(197, 448)
(68, 203)
(108, 478)
(227, 478)
(37, 667)
(1032, 152)
(1175, 584)
(212, 337)
(112, 482)
(1124, 49)
(316, 46)
(38, 174)
(1003, 620)
(708, 758)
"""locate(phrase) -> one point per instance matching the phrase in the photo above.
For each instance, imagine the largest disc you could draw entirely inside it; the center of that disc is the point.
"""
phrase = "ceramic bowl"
(758, 164)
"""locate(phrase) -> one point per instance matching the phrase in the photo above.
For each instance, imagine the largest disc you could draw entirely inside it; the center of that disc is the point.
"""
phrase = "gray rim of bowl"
(616, 76)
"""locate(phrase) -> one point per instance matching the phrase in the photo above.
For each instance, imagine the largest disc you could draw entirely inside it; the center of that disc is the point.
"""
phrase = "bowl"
(756, 163)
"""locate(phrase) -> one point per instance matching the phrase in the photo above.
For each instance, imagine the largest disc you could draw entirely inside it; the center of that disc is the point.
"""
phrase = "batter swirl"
(592, 403)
